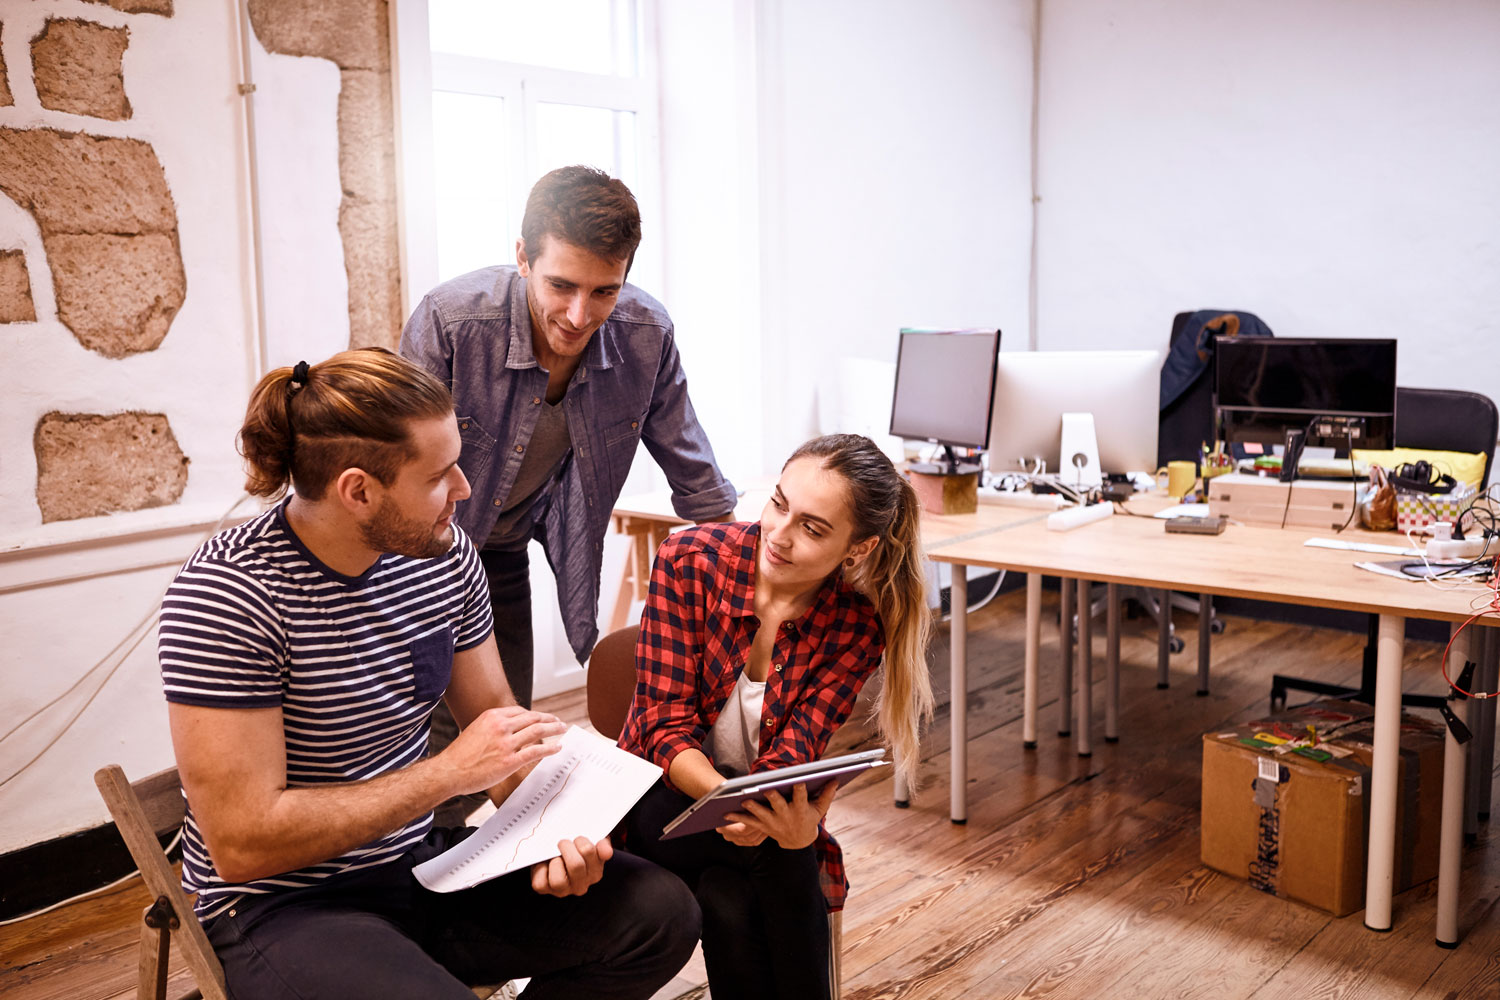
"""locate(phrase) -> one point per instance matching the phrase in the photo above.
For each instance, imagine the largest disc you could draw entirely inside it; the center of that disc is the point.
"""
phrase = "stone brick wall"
(354, 35)
(15, 289)
(76, 68)
(89, 464)
(108, 228)
(5, 99)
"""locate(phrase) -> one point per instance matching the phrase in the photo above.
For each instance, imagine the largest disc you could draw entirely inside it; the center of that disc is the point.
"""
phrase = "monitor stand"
(949, 466)
(1079, 467)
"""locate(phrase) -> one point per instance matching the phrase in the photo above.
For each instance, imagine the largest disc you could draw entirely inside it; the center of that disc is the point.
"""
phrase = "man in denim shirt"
(558, 368)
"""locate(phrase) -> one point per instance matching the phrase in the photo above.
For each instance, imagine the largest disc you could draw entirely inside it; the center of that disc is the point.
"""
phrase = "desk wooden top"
(1251, 561)
(937, 529)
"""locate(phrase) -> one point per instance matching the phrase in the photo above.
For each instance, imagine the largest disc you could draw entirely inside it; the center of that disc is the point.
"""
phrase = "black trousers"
(509, 577)
(379, 935)
(765, 921)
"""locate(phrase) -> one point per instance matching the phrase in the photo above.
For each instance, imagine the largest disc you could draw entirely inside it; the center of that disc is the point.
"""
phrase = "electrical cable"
(139, 632)
(1353, 483)
(994, 592)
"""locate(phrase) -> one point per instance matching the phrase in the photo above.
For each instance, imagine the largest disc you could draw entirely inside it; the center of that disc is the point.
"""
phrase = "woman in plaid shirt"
(834, 567)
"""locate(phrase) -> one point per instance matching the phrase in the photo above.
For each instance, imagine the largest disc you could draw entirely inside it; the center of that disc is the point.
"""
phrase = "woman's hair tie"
(299, 376)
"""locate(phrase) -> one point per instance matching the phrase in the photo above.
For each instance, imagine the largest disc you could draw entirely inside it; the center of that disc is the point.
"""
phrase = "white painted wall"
(895, 146)
(1328, 165)
(69, 591)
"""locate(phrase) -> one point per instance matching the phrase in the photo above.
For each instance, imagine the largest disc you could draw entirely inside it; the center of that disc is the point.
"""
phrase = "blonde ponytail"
(885, 506)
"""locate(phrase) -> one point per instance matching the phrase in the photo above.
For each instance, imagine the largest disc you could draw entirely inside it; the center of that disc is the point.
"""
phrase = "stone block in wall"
(367, 140)
(368, 231)
(355, 34)
(5, 99)
(89, 464)
(118, 294)
(162, 7)
(78, 183)
(109, 229)
(77, 68)
(15, 289)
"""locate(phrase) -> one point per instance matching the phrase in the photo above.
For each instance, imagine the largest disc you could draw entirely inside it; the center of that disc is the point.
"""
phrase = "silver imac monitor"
(1033, 389)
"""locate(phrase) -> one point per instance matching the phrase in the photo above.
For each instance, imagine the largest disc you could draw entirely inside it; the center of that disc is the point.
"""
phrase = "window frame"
(417, 72)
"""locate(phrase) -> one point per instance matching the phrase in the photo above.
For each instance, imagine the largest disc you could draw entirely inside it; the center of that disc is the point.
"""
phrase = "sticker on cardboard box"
(1268, 769)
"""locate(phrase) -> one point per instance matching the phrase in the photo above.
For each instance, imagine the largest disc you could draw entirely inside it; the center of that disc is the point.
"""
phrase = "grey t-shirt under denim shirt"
(544, 455)
(474, 333)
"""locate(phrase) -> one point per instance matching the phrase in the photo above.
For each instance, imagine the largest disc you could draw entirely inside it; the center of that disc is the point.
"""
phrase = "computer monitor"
(1339, 390)
(945, 381)
(1033, 389)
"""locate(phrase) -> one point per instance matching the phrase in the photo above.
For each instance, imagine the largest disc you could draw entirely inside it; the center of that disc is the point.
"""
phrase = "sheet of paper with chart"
(583, 790)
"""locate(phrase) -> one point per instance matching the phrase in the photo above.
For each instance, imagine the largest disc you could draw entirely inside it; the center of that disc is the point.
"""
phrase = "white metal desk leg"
(1451, 836)
(958, 642)
(1065, 665)
(1484, 753)
(1112, 663)
(1381, 859)
(1083, 710)
(1033, 643)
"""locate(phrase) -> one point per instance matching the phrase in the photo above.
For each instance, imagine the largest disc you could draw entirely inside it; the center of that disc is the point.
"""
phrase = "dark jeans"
(379, 934)
(509, 577)
(765, 921)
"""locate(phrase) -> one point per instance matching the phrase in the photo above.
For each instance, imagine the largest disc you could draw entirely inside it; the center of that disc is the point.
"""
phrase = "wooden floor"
(1073, 877)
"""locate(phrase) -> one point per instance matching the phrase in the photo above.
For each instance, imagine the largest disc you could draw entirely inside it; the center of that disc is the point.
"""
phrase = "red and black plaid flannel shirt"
(695, 638)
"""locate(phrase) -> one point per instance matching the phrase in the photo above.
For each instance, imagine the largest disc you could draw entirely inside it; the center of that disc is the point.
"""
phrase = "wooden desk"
(1250, 561)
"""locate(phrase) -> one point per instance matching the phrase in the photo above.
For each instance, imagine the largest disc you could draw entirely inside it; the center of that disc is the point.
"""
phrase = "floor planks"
(1074, 877)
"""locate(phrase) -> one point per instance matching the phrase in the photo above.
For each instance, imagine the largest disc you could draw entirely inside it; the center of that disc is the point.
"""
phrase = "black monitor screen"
(944, 386)
(1264, 384)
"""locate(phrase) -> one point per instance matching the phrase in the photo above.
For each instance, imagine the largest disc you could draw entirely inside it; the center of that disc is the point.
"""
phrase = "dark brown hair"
(586, 207)
(353, 412)
(884, 505)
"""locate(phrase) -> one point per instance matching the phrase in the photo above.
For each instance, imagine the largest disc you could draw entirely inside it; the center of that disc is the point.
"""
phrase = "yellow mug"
(1181, 476)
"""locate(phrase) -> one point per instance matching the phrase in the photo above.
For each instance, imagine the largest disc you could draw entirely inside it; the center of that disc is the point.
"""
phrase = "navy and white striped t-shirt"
(356, 664)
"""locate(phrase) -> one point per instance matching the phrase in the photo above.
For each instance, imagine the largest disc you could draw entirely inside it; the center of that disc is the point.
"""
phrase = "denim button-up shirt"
(474, 333)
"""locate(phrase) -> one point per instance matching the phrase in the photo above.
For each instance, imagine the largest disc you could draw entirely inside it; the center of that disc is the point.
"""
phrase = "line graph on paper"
(583, 790)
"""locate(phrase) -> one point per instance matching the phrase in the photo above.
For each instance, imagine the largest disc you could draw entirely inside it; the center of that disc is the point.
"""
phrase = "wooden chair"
(143, 812)
(611, 685)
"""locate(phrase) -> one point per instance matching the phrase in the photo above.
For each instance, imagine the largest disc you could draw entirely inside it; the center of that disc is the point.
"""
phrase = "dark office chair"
(1186, 425)
(1436, 419)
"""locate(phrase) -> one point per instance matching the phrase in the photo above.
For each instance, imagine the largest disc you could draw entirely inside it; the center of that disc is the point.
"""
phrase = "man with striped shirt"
(302, 653)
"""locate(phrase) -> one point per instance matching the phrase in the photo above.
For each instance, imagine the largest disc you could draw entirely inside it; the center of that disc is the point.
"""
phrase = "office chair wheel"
(1174, 644)
(1216, 626)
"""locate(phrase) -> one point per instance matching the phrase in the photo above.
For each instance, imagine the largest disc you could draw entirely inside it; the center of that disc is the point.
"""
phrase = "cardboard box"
(1293, 819)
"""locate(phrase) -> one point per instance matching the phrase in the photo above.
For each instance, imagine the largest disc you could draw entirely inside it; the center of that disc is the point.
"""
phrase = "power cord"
(141, 630)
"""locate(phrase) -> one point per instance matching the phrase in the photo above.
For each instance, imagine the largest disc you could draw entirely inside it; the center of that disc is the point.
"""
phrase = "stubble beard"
(388, 531)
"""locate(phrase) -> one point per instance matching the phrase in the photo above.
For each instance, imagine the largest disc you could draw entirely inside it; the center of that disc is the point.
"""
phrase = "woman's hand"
(792, 824)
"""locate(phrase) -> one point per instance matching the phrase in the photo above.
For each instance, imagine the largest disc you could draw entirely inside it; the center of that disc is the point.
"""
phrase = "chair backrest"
(1447, 420)
(142, 812)
(611, 680)
(1187, 386)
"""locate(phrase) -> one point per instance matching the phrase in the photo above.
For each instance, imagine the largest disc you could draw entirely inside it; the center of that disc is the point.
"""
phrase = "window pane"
(473, 186)
(587, 36)
(569, 133)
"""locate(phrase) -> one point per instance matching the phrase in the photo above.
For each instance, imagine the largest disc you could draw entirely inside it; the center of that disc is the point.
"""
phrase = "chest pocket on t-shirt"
(432, 664)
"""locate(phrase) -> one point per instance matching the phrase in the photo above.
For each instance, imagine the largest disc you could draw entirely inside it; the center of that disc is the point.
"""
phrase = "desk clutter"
(1285, 802)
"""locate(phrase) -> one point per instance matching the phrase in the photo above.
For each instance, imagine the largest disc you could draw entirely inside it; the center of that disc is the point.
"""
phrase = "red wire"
(1493, 609)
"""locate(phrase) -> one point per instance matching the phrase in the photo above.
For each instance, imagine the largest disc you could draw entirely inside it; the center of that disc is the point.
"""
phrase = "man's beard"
(388, 531)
